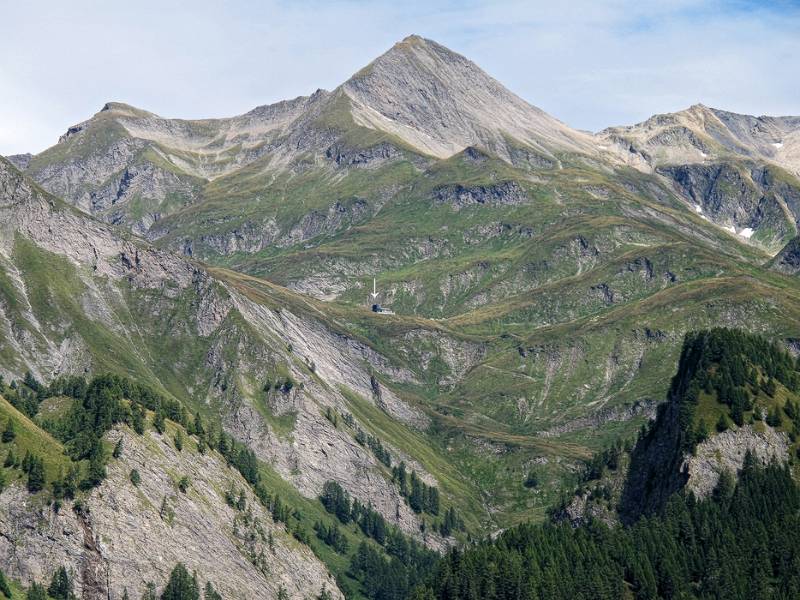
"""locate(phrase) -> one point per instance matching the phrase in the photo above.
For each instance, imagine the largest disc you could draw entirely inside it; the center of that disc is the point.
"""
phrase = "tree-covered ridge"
(726, 379)
(739, 369)
(741, 543)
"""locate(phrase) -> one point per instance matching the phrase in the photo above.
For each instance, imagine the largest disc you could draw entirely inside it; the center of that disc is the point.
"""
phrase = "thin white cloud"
(591, 64)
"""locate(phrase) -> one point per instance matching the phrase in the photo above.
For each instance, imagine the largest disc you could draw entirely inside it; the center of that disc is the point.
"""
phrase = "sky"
(590, 63)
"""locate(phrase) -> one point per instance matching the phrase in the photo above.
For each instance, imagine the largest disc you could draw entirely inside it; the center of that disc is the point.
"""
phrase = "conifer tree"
(149, 591)
(36, 478)
(36, 592)
(181, 585)
(117, 449)
(209, 593)
(158, 421)
(179, 440)
(9, 433)
(4, 587)
(61, 585)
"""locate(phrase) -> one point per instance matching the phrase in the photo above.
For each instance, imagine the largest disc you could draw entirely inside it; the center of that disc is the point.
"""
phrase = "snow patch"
(703, 154)
(698, 209)
(778, 144)
(746, 233)
(730, 228)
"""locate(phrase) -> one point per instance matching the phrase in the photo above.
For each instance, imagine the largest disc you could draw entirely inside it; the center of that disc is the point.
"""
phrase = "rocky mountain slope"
(788, 259)
(124, 535)
(129, 165)
(299, 172)
(702, 134)
(440, 103)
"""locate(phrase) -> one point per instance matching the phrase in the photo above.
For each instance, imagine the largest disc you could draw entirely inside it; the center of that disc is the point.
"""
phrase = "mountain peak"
(411, 40)
(441, 102)
(123, 109)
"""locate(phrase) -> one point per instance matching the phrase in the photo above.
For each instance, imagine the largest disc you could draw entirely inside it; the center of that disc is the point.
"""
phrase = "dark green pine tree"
(179, 440)
(181, 585)
(722, 423)
(774, 418)
(209, 593)
(4, 587)
(9, 433)
(149, 591)
(158, 420)
(36, 592)
(117, 449)
(415, 498)
(61, 585)
(137, 418)
(197, 427)
(36, 480)
(97, 467)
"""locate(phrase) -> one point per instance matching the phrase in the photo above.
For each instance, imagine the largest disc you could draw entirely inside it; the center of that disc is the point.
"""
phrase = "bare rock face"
(130, 166)
(458, 196)
(726, 451)
(788, 259)
(21, 161)
(740, 200)
(25, 209)
(344, 156)
(124, 536)
(737, 171)
(315, 223)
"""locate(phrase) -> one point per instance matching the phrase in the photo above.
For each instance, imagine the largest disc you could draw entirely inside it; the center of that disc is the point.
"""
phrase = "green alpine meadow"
(410, 338)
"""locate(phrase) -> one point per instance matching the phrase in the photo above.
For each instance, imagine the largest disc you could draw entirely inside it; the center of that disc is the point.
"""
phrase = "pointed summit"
(441, 102)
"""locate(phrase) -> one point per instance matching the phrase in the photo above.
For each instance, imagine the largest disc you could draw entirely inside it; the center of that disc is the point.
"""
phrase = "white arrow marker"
(374, 290)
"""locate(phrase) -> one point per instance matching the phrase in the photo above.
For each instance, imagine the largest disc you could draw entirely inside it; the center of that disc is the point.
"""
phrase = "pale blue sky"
(591, 63)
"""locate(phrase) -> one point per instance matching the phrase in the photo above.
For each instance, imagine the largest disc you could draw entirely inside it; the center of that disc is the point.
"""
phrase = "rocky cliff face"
(123, 536)
(743, 201)
(788, 259)
(726, 452)
(126, 165)
(21, 161)
(658, 469)
(739, 172)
